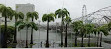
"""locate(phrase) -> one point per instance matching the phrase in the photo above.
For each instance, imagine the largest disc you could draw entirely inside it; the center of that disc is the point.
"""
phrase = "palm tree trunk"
(76, 39)
(89, 40)
(95, 38)
(31, 35)
(101, 40)
(15, 41)
(82, 40)
(26, 37)
(98, 39)
(0, 37)
(47, 41)
(66, 37)
(62, 33)
(5, 34)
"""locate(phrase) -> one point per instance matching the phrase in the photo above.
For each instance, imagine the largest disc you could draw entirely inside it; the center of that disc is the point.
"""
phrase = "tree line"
(78, 26)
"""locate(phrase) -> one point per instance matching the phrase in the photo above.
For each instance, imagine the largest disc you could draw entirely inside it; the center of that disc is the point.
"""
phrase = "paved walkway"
(106, 45)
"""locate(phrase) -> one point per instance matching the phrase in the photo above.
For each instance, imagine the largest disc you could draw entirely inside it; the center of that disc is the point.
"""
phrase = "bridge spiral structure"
(101, 16)
(84, 12)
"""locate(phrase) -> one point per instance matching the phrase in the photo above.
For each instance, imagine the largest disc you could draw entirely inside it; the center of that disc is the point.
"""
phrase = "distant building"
(24, 8)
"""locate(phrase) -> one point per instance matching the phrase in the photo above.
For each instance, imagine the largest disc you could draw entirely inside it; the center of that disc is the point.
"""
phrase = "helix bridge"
(101, 16)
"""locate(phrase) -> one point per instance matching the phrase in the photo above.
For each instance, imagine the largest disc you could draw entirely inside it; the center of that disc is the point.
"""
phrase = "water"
(43, 34)
(39, 36)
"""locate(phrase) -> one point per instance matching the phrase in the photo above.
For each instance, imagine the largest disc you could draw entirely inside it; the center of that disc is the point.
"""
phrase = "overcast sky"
(73, 6)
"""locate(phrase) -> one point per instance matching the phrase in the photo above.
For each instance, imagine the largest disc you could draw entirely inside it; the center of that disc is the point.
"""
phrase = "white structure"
(24, 8)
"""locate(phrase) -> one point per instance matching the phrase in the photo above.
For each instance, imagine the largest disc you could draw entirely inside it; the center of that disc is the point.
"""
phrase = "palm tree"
(82, 32)
(61, 13)
(22, 25)
(89, 30)
(48, 18)
(101, 29)
(109, 26)
(33, 15)
(67, 20)
(76, 27)
(96, 31)
(18, 15)
(7, 12)
(104, 30)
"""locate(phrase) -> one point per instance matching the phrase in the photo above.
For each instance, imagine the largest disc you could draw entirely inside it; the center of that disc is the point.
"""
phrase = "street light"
(71, 39)
(39, 31)
(56, 31)
(0, 31)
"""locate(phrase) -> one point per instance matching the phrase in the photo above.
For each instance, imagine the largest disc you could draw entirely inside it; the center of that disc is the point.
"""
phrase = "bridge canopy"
(101, 16)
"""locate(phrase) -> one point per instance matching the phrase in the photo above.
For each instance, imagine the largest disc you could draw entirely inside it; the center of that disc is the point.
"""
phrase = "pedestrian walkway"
(106, 45)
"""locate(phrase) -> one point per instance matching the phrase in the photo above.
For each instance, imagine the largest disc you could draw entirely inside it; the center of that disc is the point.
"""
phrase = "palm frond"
(48, 17)
(77, 25)
(18, 23)
(21, 15)
(2, 7)
(22, 26)
(9, 13)
(35, 14)
(32, 15)
(44, 18)
(109, 26)
(67, 19)
(104, 29)
(33, 25)
(29, 15)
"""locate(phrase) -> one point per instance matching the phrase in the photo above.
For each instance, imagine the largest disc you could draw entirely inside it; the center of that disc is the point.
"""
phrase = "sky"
(73, 6)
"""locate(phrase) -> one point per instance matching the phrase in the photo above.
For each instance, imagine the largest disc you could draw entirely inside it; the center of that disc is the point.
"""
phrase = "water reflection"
(40, 41)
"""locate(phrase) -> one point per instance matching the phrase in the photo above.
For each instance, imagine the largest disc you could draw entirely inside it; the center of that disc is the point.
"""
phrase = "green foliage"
(32, 15)
(85, 45)
(96, 30)
(10, 31)
(18, 15)
(77, 25)
(48, 17)
(67, 19)
(79, 44)
(62, 13)
(22, 25)
(6, 11)
(109, 26)
(89, 28)
(104, 29)
(9, 47)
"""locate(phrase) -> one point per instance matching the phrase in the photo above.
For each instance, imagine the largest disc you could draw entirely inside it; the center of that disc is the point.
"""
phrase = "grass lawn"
(85, 45)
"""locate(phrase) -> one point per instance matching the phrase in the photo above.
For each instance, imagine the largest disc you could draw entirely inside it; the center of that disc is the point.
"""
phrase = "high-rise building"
(24, 8)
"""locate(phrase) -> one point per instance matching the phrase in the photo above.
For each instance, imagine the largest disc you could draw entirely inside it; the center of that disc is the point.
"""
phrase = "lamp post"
(71, 36)
(56, 30)
(71, 39)
(0, 31)
(39, 31)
